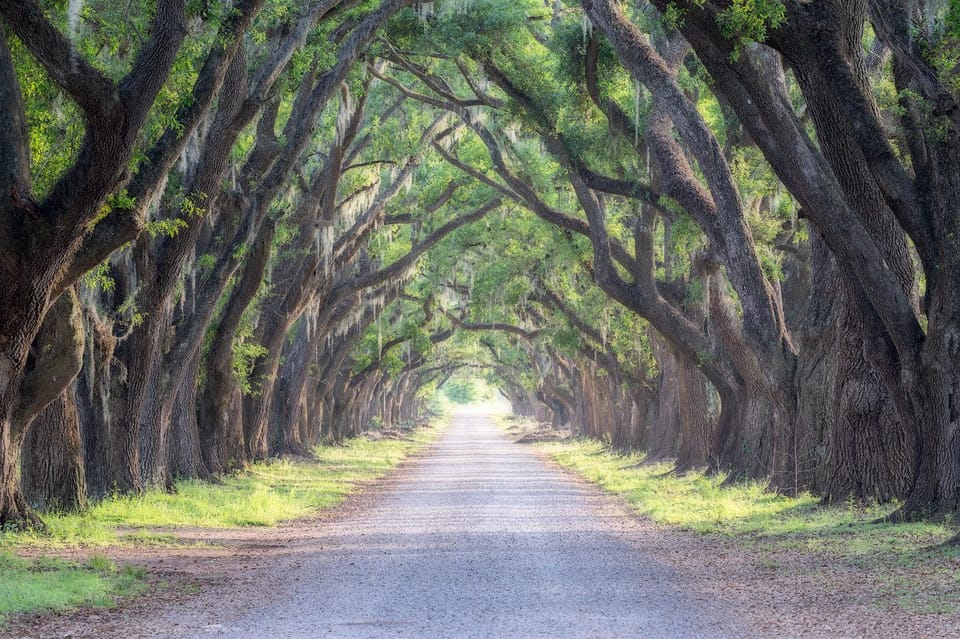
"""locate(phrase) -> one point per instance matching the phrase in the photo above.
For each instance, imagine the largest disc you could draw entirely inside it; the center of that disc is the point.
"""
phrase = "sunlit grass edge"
(907, 565)
(263, 495)
(749, 512)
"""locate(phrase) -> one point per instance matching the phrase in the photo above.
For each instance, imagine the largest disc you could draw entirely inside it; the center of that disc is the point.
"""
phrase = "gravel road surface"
(479, 538)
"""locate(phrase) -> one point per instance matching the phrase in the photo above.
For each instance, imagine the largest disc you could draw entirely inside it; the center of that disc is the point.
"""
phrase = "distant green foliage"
(952, 20)
(467, 390)
(460, 392)
(55, 123)
(128, 313)
(673, 16)
(945, 53)
(167, 227)
(245, 356)
(482, 28)
(99, 278)
(206, 262)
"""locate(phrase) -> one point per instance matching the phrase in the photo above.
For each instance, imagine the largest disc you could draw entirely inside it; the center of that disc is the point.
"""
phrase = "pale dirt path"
(479, 538)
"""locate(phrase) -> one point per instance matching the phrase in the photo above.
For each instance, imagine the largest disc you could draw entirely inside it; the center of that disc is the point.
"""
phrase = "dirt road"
(480, 538)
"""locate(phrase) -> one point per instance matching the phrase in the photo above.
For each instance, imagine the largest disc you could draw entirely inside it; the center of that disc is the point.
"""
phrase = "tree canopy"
(724, 233)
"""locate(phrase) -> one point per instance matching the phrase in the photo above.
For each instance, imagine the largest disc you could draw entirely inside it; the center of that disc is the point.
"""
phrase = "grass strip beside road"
(263, 495)
(34, 585)
(911, 568)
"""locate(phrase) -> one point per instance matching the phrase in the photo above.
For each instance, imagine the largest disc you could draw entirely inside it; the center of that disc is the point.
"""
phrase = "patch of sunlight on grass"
(746, 510)
(263, 495)
(30, 585)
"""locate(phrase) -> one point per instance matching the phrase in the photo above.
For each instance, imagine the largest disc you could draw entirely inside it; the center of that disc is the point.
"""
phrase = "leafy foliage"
(746, 21)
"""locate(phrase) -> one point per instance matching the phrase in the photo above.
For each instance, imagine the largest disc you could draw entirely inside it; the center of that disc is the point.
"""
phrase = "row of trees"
(232, 229)
(782, 215)
(188, 262)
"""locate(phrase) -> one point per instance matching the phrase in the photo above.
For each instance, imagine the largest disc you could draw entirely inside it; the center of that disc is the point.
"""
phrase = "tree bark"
(221, 423)
(185, 460)
(52, 474)
(40, 239)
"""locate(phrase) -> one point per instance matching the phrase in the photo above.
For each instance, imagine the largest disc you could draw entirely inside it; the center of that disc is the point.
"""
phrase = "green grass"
(702, 503)
(749, 513)
(264, 495)
(33, 585)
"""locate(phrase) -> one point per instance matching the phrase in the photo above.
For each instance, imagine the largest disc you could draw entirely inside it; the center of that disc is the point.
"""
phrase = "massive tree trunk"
(115, 114)
(221, 416)
(14, 344)
(30, 257)
(871, 453)
(164, 260)
(696, 418)
(131, 378)
(853, 444)
(621, 412)
(55, 358)
(288, 392)
(870, 449)
(93, 387)
(755, 435)
(39, 241)
(756, 359)
(918, 367)
(184, 458)
(822, 42)
(257, 407)
(699, 407)
(140, 456)
(521, 403)
(583, 418)
(814, 308)
(52, 476)
(662, 435)
(935, 149)
(935, 391)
